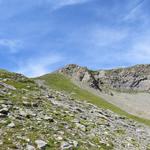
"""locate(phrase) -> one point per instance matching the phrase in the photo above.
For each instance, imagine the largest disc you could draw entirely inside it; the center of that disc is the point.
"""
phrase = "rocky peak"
(136, 78)
(75, 71)
(71, 68)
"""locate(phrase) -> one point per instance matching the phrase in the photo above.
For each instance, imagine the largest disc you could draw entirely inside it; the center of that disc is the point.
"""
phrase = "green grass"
(3, 70)
(16, 80)
(62, 83)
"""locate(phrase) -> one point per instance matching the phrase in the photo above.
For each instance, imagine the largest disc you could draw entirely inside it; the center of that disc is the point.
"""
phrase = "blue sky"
(40, 36)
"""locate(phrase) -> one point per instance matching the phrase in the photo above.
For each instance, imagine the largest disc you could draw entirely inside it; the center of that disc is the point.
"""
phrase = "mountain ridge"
(135, 78)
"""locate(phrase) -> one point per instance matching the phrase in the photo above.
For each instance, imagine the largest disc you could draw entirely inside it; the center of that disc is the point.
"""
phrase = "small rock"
(1, 142)
(2, 115)
(79, 110)
(75, 143)
(4, 111)
(48, 118)
(80, 126)
(50, 96)
(59, 138)
(30, 147)
(23, 113)
(35, 104)
(11, 125)
(41, 144)
(111, 94)
(28, 86)
(4, 106)
(26, 104)
(39, 119)
(65, 145)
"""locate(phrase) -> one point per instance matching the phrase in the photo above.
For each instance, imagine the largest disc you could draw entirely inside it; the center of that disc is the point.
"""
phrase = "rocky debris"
(44, 118)
(30, 104)
(7, 86)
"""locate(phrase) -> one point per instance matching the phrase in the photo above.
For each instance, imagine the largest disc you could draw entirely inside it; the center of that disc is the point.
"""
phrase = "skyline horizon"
(98, 69)
(39, 36)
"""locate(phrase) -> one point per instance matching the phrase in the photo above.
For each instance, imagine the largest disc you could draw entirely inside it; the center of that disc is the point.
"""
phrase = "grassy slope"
(3, 70)
(62, 83)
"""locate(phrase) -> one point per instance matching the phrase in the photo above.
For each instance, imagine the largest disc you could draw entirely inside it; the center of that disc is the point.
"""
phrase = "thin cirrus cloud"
(107, 36)
(57, 4)
(137, 53)
(134, 11)
(140, 50)
(100, 41)
(11, 45)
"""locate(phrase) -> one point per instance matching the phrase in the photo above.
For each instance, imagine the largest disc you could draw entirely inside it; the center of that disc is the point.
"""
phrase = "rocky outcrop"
(81, 74)
(136, 78)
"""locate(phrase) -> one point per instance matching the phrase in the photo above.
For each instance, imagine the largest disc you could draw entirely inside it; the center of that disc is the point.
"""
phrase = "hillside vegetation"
(62, 83)
(51, 113)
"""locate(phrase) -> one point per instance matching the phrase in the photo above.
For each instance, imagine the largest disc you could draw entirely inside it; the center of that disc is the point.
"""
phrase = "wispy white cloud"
(39, 65)
(107, 36)
(12, 45)
(57, 4)
(135, 11)
(137, 52)
(116, 47)
(140, 50)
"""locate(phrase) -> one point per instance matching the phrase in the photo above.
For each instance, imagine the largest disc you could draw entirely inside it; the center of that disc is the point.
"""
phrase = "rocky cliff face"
(136, 78)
